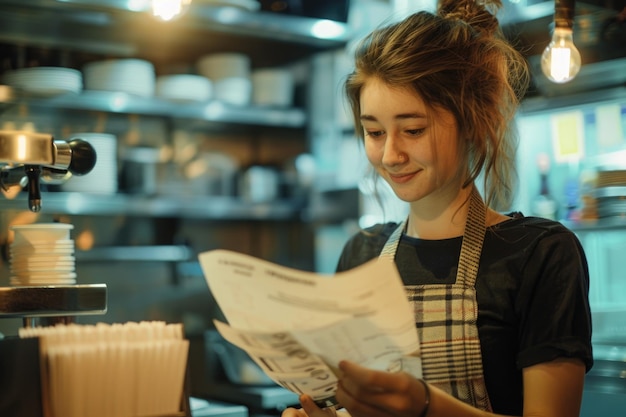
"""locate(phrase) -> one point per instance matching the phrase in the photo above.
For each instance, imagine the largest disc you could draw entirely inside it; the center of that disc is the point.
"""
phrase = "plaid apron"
(446, 316)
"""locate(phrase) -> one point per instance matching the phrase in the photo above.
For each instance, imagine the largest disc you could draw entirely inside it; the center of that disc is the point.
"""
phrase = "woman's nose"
(393, 153)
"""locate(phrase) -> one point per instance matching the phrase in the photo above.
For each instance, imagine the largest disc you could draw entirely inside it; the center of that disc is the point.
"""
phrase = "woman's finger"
(312, 410)
(365, 392)
(293, 412)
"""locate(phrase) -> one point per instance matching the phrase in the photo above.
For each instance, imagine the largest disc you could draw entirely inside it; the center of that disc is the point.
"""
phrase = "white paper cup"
(40, 233)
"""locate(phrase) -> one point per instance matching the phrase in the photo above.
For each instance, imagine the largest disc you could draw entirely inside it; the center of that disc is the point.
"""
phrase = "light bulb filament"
(560, 61)
(559, 67)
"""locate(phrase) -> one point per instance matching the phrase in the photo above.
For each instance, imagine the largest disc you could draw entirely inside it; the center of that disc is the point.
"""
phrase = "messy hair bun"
(478, 14)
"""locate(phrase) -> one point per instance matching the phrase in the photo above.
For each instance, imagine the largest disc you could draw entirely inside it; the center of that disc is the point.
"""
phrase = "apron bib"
(446, 316)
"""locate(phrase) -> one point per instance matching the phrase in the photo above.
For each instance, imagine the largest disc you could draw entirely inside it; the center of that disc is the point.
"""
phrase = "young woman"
(500, 301)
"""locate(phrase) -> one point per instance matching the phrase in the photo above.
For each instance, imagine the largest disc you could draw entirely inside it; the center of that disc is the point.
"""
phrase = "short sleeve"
(553, 302)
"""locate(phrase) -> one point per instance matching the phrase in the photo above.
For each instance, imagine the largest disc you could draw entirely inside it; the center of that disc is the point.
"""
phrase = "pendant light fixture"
(560, 61)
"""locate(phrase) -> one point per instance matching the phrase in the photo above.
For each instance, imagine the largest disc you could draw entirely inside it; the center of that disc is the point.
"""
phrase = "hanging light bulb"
(169, 9)
(560, 61)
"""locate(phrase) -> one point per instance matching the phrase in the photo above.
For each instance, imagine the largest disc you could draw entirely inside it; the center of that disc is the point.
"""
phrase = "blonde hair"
(456, 59)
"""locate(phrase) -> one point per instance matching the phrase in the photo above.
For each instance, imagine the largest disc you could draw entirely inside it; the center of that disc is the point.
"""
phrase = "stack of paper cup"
(42, 254)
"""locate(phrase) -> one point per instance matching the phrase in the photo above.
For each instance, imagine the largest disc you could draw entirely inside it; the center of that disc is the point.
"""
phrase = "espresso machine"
(27, 159)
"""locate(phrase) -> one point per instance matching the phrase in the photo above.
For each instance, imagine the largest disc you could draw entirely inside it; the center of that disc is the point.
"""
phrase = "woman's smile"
(402, 178)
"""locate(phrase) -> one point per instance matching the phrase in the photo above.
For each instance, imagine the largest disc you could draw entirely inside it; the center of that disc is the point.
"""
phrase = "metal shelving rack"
(53, 303)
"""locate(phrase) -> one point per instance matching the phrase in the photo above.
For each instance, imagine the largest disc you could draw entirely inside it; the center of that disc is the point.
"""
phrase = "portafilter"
(26, 157)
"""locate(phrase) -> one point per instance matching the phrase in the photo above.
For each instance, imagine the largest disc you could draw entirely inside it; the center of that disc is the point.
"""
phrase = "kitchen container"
(259, 184)
(139, 173)
(610, 191)
(272, 87)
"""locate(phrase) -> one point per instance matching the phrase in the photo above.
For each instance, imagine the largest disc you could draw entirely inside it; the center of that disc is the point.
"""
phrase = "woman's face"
(413, 148)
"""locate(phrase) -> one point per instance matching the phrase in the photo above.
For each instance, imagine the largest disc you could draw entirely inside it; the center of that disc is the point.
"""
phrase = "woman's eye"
(374, 133)
(415, 132)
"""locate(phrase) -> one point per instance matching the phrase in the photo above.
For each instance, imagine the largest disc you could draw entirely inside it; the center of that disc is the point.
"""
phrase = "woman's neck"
(435, 217)
(430, 220)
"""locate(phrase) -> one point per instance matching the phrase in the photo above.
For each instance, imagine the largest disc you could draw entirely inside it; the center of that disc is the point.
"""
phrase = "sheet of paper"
(297, 325)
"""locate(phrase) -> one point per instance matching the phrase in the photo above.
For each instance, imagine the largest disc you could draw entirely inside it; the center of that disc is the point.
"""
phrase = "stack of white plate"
(103, 178)
(230, 74)
(184, 87)
(133, 76)
(42, 254)
(45, 81)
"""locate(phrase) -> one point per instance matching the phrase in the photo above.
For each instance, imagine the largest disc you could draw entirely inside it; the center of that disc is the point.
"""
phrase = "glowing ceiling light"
(327, 29)
(167, 10)
(560, 61)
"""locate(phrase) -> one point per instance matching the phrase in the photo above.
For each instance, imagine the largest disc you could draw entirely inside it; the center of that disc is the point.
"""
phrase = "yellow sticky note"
(568, 131)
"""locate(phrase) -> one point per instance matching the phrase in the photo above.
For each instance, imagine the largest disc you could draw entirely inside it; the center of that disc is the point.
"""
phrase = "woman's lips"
(402, 178)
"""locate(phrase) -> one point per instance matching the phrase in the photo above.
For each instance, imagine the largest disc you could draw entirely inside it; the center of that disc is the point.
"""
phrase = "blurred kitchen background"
(226, 128)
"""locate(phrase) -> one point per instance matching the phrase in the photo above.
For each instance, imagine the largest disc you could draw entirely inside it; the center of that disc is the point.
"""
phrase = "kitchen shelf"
(162, 253)
(200, 207)
(121, 28)
(114, 102)
(214, 18)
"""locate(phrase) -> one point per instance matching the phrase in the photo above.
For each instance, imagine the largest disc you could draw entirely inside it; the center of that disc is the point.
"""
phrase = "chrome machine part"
(29, 156)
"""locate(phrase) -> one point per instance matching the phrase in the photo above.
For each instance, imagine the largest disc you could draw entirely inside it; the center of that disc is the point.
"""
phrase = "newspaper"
(298, 325)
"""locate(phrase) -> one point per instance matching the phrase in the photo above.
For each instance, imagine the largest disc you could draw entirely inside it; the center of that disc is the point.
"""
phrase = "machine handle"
(83, 157)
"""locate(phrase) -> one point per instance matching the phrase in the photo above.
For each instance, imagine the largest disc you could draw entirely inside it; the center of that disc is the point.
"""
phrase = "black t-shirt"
(532, 292)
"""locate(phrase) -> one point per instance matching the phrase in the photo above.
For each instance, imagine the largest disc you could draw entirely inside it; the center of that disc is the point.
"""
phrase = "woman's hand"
(310, 409)
(368, 393)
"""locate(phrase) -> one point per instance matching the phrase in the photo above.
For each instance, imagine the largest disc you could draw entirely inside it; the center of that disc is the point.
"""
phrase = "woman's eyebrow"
(398, 116)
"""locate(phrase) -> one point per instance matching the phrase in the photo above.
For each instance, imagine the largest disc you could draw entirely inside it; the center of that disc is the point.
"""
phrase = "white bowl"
(224, 65)
(235, 90)
(184, 87)
(133, 76)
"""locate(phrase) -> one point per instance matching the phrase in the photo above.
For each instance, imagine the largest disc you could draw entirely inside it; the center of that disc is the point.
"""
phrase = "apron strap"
(473, 238)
